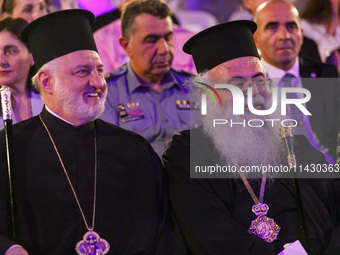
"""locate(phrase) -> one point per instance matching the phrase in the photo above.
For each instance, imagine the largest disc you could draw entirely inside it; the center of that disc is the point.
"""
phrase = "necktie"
(303, 127)
(290, 81)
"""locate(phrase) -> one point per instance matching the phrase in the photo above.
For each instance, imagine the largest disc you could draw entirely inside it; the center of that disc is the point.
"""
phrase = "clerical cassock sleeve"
(205, 220)
(169, 240)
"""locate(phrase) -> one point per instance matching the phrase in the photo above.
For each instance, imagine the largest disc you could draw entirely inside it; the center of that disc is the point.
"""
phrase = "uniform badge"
(130, 113)
(121, 111)
(187, 105)
(132, 105)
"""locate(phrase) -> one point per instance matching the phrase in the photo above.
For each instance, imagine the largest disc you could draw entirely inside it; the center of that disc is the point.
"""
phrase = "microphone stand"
(7, 117)
(287, 137)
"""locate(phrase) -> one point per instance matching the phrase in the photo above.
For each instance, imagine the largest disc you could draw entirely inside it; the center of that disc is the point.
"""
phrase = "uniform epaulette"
(117, 72)
(109, 76)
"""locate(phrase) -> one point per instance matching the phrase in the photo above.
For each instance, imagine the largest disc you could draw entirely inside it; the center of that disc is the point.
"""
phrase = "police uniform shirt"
(155, 116)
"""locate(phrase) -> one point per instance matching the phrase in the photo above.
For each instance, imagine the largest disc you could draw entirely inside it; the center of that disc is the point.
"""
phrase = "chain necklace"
(262, 226)
(91, 243)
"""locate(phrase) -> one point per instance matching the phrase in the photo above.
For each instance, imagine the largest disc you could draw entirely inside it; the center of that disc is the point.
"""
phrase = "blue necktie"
(303, 127)
(288, 81)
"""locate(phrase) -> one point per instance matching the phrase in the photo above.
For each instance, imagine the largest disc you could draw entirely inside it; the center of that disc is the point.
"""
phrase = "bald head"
(260, 7)
(279, 35)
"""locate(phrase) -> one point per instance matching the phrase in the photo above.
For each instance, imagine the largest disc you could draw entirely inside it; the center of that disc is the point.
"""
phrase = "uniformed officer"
(146, 95)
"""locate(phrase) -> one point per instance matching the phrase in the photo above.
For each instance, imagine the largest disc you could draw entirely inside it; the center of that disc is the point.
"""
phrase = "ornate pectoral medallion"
(263, 226)
(92, 244)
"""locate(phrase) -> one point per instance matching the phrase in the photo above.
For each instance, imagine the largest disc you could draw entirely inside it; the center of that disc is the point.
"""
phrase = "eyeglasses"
(244, 83)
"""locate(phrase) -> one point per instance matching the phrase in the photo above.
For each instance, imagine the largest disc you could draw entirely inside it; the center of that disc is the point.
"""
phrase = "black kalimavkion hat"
(58, 34)
(220, 43)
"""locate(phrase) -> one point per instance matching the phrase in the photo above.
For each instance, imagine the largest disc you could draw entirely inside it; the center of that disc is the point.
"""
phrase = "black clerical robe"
(215, 214)
(131, 206)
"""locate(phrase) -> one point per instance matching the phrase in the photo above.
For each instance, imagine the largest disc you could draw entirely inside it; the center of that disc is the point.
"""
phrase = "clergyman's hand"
(16, 250)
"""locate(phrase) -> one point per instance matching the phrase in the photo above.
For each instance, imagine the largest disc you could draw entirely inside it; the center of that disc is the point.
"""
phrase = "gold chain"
(249, 188)
(69, 180)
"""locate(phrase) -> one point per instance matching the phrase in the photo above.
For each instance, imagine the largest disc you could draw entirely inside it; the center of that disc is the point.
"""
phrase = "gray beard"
(74, 103)
(247, 146)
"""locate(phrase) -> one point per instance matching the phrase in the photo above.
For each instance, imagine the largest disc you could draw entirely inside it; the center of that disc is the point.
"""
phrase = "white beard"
(73, 102)
(247, 146)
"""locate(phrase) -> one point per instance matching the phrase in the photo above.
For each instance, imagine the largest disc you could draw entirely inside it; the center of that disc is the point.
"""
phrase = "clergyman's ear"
(45, 81)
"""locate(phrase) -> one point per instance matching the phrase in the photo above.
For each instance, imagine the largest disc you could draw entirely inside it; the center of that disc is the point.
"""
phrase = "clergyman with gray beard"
(239, 212)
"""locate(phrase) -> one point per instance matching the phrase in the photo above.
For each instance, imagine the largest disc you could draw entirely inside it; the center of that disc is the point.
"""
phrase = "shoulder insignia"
(108, 76)
(117, 72)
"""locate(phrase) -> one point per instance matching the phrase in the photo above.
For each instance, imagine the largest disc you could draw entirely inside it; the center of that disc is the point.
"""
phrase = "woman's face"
(15, 60)
(29, 9)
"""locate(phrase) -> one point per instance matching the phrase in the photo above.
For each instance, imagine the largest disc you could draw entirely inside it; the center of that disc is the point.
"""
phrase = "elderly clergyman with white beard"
(220, 213)
(82, 185)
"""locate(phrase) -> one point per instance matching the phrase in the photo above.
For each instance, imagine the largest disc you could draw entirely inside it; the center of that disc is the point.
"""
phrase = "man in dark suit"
(279, 39)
